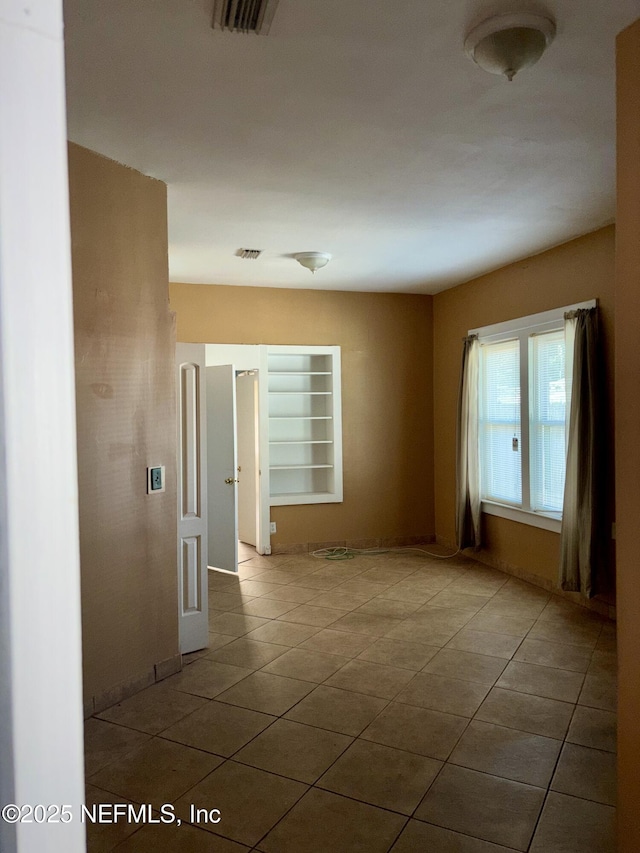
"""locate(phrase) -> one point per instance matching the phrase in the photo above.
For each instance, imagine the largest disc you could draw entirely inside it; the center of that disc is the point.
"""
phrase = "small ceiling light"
(505, 44)
(313, 260)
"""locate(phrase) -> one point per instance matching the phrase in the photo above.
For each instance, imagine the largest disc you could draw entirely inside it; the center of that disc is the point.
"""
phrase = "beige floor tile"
(485, 643)
(542, 653)
(250, 801)
(363, 588)
(389, 607)
(570, 825)
(178, 839)
(587, 773)
(297, 594)
(593, 727)
(472, 803)
(500, 623)
(607, 642)
(157, 772)
(219, 728)
(306, 665)
(153, 709)
(419, 837)
(256, 588)
(321, 581)
(381, 776)
(486, 587)
(281, 576)
(323, 822)
(227, 601)
(603, 663)
(373, 679)
(270, 694)
(414, 630)
(105, 743)
(309, 614)
(599, 691)
(439, 693)
(585, 635)
(459, 599)
(294, 750)
(282, 633)
(508, 753)
(249, 654)
(372, 624)
(418, 730)
(387, 575)
(514, 607)
(206, 678)
(559, 610)
(442, 618)
(412, 592)
(466, 666)
(235, 624)
(268, 608)
(397, 653)
(541, 681)
(103, 837)
(338, 643)
(217, 641)
(525, 712)
(338, 600)
(337, 710)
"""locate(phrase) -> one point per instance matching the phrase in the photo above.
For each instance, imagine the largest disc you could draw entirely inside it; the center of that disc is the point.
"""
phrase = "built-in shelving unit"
(305, 431)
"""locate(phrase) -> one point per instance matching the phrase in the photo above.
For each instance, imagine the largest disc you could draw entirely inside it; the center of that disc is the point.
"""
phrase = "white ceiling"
(356, 127)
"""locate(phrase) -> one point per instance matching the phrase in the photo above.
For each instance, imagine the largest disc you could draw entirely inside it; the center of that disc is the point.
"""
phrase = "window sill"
(545, 521)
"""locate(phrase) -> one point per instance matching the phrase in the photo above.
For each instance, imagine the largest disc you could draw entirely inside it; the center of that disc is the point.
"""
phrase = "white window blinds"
(547, 414)
(499, 423)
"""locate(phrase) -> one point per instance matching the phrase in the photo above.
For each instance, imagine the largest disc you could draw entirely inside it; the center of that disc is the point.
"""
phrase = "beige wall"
(126, 421)
(386, 342)
(627, 434)
(574, 272)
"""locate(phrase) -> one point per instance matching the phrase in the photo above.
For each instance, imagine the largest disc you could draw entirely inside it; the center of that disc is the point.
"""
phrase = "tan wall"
(126, 420)
(574, 272)
(386, 342)
(627, 434)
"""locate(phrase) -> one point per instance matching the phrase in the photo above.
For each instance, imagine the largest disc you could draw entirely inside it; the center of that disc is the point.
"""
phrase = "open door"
(192, 498)
(248, 466)
(222, 467)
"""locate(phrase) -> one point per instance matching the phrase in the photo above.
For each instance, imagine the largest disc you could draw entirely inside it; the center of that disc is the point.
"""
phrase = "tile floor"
(385, 703)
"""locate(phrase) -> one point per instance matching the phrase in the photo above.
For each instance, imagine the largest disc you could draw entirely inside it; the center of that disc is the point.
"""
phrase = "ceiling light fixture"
(505, 44)
(313, 260)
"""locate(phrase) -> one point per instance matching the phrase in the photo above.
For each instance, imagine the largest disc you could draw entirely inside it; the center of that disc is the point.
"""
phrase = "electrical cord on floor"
(350, 553)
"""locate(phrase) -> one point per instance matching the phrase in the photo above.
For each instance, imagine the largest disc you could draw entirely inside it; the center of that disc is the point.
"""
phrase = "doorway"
(245, 533)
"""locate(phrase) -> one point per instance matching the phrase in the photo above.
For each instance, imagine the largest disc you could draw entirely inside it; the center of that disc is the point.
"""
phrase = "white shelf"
(296, 467)
(304, 424)
(303, 441)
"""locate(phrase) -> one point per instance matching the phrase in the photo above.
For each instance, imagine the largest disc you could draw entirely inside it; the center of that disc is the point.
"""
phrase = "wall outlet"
(272, 527)
(155, 480)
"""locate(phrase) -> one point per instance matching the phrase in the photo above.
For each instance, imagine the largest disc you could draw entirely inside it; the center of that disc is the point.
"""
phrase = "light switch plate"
(155, 479)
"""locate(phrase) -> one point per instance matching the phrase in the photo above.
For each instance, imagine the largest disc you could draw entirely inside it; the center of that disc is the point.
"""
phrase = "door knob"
(231, 480)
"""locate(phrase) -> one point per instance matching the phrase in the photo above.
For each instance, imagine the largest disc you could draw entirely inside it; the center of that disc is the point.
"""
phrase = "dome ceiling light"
(313, 260)
(505, 44)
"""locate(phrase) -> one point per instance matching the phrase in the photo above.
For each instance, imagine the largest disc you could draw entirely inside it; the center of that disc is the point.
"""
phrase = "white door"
(222, 467)
(192, 498)
(248, 487)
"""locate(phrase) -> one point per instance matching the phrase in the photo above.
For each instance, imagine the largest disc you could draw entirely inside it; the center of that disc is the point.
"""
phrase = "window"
(523, 406)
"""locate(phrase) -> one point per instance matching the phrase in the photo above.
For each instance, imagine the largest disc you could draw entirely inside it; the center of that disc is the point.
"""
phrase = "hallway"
(392, 702)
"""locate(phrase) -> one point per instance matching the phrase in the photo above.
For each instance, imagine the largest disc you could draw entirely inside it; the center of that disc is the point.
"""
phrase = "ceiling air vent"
(244, 16)
(249, 254)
